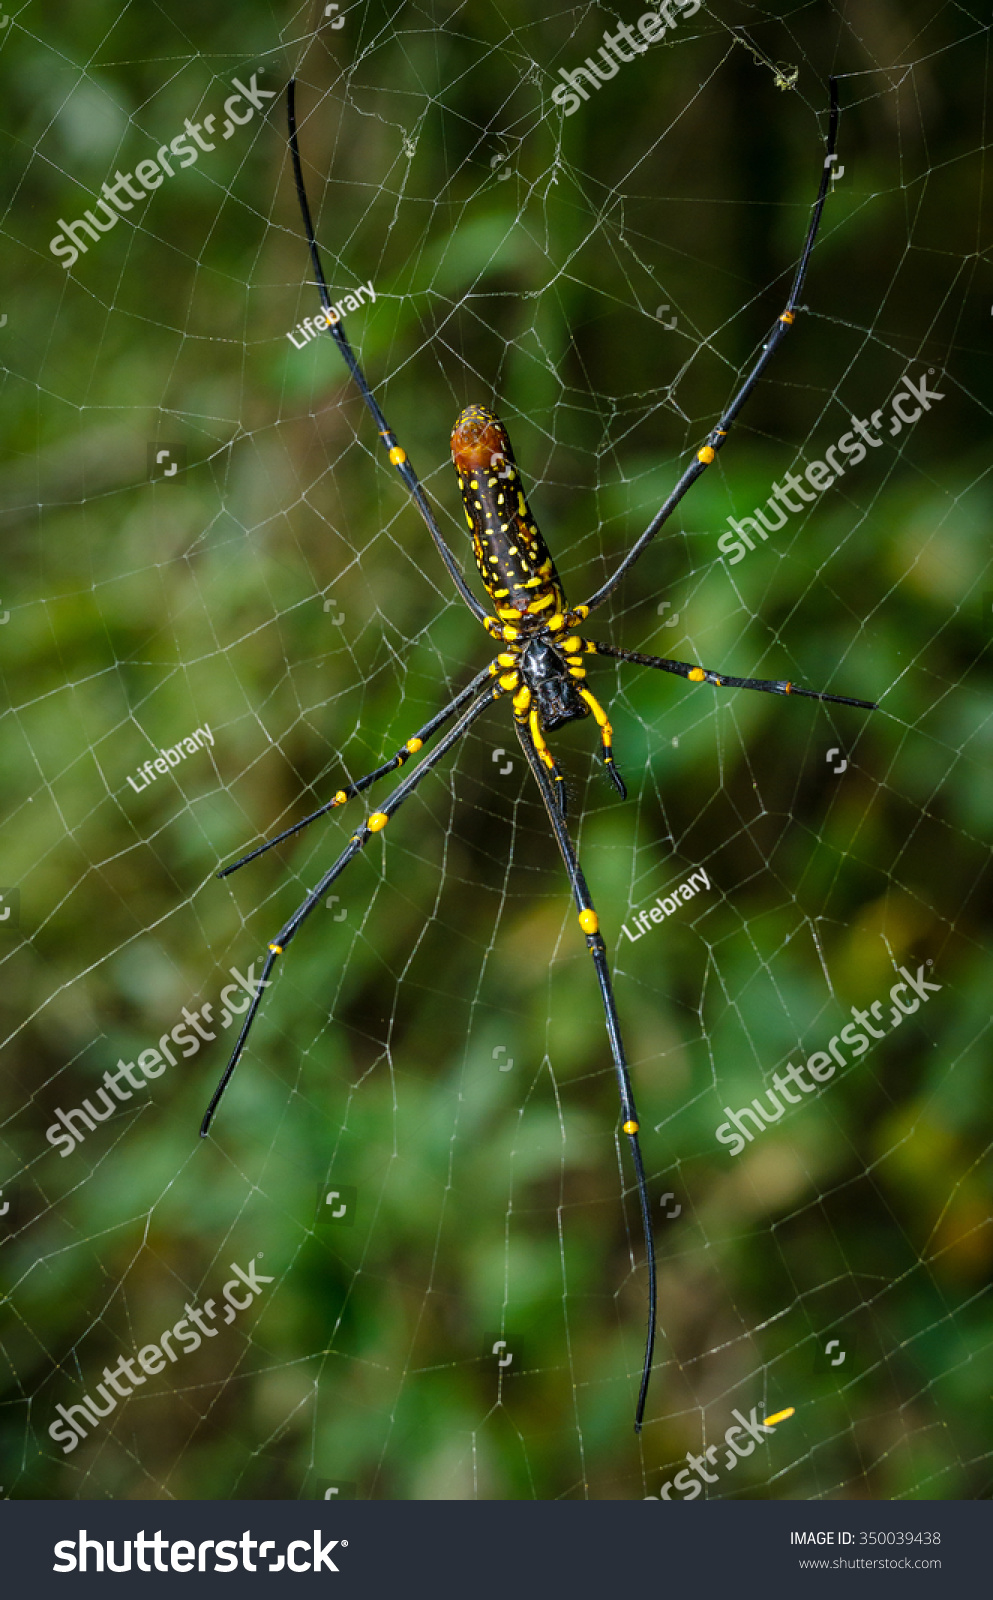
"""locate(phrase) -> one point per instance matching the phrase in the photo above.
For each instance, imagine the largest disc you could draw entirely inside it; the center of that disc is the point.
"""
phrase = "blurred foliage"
(282, 591)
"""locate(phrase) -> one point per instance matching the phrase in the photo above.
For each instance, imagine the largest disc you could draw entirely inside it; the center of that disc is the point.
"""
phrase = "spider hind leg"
(590, 926)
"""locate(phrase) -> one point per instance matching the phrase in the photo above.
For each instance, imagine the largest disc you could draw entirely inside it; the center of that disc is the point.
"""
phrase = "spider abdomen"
(512, 558)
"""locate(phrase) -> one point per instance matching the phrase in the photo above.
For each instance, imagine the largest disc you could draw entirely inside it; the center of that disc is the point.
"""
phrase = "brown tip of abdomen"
(480, 442)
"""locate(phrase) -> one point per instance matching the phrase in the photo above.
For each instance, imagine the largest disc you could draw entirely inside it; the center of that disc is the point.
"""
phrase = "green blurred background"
(281, 589)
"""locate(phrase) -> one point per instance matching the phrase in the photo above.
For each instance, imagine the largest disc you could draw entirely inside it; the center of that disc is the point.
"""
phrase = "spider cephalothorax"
(551, 679)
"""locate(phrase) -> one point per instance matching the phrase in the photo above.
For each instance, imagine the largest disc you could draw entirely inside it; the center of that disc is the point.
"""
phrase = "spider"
(540, 666)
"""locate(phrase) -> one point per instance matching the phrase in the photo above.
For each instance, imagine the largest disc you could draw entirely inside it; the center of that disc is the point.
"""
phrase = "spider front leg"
(606, 741)
(589, 923)
(716, 439)
(374, 824)
(526, 719)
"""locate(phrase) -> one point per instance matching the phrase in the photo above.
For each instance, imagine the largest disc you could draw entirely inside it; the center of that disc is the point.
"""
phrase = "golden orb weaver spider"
(540, 664)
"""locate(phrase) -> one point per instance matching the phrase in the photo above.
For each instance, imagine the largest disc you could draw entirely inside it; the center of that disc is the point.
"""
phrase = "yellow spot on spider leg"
(413, 745)
(589, 921)
(397, 456)
(696, 674)
(780, 1416)
(789, 317)
(276, 949)
(631, 1127)
(340, 798)
(706, 455)
(377, 821)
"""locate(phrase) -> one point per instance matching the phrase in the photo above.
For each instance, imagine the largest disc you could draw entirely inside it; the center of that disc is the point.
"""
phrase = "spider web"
(432, 1049)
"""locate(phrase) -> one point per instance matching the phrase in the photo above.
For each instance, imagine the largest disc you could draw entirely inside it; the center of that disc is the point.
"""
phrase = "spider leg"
(685, 669)
(373, 825)
(397, 454)
(607, 741)
(718, 435)
(411, 747)
(589, 923)
(528, 717)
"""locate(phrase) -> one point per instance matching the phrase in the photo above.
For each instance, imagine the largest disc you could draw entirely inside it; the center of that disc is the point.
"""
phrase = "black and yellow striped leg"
(589, 923)
(685, 669)
(607, 741)
(413, 744)
(546, 757)
(526, 716)
(373, 825)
